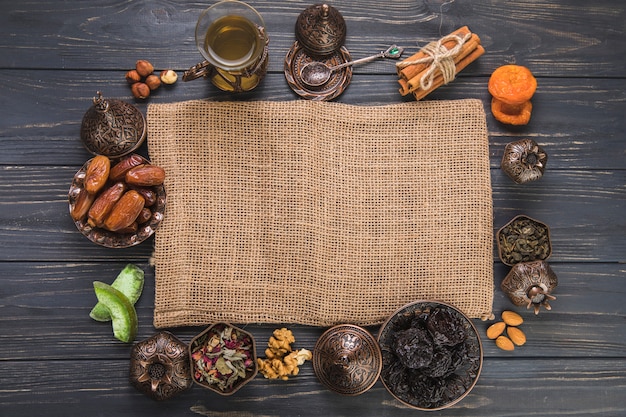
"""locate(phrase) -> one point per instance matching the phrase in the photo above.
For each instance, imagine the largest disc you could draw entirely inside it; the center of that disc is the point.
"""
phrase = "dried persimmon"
(512, 114)
(512, 84)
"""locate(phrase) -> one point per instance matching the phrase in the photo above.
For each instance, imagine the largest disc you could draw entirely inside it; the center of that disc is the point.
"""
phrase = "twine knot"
(440, 58)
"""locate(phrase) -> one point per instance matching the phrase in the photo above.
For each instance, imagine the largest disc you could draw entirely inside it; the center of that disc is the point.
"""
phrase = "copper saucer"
(297, 57)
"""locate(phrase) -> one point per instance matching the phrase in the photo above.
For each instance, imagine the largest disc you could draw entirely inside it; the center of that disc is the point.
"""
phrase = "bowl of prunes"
(432, 355)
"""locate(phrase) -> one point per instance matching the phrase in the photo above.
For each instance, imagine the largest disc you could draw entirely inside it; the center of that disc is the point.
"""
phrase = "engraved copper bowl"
(515, 246)
(159, 366)
(112, 127)
(347, 359)
(297, 57)
(202, 339)
(454, 386)
(112, 239)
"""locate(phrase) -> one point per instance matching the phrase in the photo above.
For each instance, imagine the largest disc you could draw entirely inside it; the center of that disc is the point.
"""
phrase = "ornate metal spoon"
(317, 73)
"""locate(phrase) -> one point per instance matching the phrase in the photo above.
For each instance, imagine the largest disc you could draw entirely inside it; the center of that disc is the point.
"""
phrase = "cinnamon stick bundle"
(412, 73)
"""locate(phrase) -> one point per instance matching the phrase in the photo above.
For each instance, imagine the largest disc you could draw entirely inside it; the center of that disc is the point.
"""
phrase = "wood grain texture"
(54, 56)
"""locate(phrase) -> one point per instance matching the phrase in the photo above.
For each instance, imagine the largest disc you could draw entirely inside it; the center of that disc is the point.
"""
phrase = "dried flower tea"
(431, 355)
(223, 357)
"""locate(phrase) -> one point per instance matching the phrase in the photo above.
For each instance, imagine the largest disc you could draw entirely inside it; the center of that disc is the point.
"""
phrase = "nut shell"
(168, 76)
(133, 77)
(144, 68)
(140, 90)
(153, 82)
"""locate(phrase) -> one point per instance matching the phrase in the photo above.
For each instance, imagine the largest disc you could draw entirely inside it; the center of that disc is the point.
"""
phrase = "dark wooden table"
(54, 56)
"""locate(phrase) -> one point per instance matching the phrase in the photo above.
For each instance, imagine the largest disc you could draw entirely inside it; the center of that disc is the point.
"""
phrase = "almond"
(516, 335)
(512, 318)
(504, 343)
(495, 329)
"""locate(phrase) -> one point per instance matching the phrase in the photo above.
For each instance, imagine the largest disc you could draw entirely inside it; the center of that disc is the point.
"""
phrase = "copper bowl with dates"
(432, 355)
(94, 218)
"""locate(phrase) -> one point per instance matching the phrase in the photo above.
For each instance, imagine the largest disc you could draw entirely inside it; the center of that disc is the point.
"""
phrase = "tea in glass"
(231, 37)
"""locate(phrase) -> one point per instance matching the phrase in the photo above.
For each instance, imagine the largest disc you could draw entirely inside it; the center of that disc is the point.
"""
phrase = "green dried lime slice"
(123, 314)
(130, 283)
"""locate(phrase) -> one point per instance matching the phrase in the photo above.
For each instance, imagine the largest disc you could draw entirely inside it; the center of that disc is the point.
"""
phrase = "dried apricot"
(513, 84)
(512, 114)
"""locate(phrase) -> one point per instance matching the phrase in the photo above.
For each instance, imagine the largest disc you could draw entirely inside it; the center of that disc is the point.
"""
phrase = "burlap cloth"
(320, 213)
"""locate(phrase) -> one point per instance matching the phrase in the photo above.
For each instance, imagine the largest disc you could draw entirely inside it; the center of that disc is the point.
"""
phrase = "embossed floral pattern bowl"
(223, 358)
(347, 359)
(432, 355)
(105, 237)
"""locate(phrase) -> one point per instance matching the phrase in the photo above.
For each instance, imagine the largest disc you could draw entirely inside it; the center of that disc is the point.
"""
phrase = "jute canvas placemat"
(320, 213)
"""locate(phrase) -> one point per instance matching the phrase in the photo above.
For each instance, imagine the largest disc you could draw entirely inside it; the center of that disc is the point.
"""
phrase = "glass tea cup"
(231, 37)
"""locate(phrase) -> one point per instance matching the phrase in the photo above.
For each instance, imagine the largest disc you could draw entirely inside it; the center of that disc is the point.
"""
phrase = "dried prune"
(441, 364)
(445, 327)
(414, 348)
(431, 356)
(427, 391)
(396, 376)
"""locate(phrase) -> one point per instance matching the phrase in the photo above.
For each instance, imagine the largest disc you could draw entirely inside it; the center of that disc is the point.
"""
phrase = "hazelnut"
(153, 82)
(169, 76)
(133, 77)
(140, 90)
(144, 68)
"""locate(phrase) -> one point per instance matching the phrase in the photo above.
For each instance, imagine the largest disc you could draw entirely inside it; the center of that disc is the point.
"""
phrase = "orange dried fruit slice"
(513, 84)
(511, 114)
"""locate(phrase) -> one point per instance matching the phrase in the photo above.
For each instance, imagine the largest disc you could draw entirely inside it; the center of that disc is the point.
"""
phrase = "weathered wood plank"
(579, 122)
(584, 210)
(516, 388)
(575, 38)
(54, 56)
(51, 303)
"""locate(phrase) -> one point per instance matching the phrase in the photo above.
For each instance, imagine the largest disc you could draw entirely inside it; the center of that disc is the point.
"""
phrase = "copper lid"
(321, 30)
(347, 359)
(112, 127)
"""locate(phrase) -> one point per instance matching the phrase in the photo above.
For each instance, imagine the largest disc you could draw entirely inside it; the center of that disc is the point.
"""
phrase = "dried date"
(125, 211)
(82, 204)
(119, 170)
(145, 176)
(97, 174)
(103, 205)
